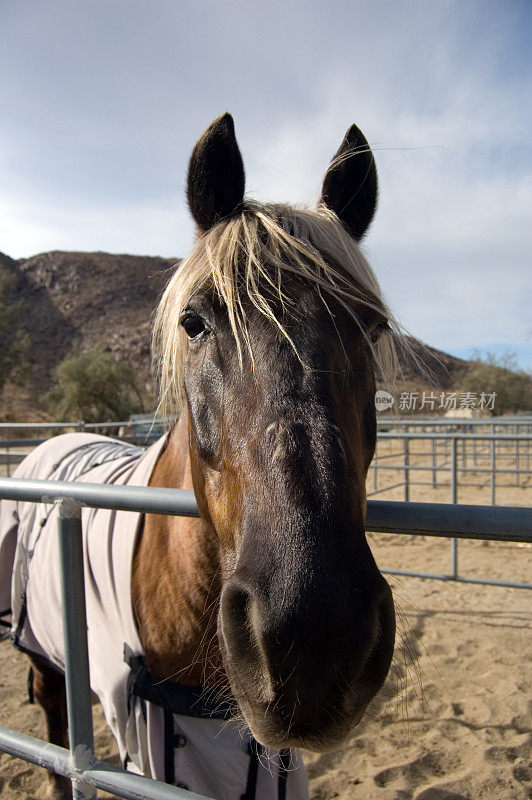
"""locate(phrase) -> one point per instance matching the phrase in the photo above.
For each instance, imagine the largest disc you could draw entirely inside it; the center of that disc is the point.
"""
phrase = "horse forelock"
(254, 260)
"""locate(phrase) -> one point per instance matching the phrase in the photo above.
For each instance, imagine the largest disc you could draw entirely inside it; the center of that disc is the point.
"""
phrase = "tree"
(14, 342)
(512, 386)
(92, 386)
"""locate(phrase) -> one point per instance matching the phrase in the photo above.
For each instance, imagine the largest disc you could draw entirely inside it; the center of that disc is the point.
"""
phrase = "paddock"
(459, 461)
(453, 722)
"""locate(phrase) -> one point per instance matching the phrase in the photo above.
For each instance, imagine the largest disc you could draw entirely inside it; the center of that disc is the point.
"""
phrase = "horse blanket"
(210, 756)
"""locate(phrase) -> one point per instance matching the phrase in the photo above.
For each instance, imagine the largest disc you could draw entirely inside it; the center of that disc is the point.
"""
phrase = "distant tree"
(14, 342)
(92, 386)
(499, 374)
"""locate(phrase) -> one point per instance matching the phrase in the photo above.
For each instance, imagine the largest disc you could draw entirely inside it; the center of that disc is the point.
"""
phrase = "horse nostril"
(244, 649)
(234, 601)
(237, 631)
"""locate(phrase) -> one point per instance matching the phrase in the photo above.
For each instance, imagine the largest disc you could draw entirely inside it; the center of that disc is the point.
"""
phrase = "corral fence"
(486, 449)
(443, 454)
(484, 452)
(452, 454)
(79, 764)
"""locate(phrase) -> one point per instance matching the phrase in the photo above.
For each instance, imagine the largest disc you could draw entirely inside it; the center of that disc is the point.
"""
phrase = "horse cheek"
(204, 409)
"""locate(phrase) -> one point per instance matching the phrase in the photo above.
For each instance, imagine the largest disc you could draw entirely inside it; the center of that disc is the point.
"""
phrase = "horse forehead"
(302, 322)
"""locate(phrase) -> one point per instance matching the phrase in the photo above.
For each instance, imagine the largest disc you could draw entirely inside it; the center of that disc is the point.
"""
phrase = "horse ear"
(350, 185)
(216, 179)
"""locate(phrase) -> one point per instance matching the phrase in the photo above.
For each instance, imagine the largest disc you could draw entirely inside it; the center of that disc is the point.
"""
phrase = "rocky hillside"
(109, 299)
(90, 297)
(439, 368)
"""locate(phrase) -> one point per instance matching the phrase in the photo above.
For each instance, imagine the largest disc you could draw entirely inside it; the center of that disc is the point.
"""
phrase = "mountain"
(90, 297)
(103, 298)
(438, 368)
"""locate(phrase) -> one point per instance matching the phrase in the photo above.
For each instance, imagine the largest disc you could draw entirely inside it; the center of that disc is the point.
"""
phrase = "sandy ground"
(455, 719)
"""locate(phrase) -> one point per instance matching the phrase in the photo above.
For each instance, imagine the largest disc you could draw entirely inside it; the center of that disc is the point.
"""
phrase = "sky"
(102, 101)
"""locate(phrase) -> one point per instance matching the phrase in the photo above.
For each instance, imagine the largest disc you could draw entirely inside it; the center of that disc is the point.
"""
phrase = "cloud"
(158, 230)
(106, 99)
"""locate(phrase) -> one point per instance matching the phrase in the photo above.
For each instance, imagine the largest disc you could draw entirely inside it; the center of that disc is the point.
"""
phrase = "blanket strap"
(284, 765)
(255, 750)
(5, 624)
(191, 701)
(169, 763)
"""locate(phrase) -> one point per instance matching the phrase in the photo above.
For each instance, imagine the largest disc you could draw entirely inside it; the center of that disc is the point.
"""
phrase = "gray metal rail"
(500, 523)
(79, 763)
(93, 773)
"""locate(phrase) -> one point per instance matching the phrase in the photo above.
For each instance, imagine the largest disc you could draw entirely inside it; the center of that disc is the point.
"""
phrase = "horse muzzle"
(303, 673)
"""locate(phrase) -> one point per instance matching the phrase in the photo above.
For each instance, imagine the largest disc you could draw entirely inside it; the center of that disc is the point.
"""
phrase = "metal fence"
(453, 454)
(456, 454)
(485, 449)
(79, 764)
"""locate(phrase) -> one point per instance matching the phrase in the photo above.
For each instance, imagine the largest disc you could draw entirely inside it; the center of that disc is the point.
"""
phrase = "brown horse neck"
(176, 581)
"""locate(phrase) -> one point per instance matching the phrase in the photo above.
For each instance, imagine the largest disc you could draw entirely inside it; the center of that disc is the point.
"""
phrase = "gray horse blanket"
(210, 756)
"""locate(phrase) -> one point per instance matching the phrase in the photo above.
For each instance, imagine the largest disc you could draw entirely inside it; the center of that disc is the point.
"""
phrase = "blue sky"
(102, 101)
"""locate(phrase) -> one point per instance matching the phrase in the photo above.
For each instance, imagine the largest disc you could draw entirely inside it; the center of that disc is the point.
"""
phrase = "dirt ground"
(455, 718)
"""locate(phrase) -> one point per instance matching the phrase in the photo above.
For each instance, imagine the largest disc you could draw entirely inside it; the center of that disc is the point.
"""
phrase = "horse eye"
(378, 329)
(193, 324)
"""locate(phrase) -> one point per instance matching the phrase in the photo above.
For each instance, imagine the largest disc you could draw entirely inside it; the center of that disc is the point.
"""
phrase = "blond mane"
(250, 257)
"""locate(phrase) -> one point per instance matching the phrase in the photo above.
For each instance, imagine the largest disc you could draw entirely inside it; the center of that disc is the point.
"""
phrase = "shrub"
(513, 387)
(14, 342)
(92, 386)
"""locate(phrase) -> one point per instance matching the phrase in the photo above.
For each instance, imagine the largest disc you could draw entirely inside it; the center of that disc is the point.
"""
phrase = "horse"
(268, 338)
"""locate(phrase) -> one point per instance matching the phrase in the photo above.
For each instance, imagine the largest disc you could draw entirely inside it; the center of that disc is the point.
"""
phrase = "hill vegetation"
(14, 341)
(98, 300)
(512, 386)
(64, 315)
(91, 386)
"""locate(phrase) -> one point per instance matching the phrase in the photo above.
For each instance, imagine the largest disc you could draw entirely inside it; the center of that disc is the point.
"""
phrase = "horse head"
(272, 330)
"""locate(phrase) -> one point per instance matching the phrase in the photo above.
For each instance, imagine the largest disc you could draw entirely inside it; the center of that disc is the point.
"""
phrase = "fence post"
(492, 474)
(8, 456)
(454, 497)
(406, 457)
(433, 451)
(77, 678)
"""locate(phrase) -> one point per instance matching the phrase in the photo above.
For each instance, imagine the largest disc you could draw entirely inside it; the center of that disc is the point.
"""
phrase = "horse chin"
(274, 734)
(279, 725)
